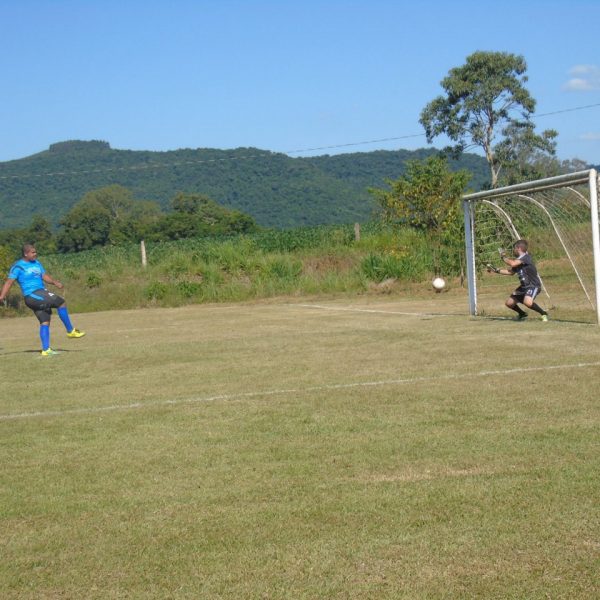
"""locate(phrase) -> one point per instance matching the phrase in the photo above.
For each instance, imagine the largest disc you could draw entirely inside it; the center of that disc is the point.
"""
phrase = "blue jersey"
(28, 275)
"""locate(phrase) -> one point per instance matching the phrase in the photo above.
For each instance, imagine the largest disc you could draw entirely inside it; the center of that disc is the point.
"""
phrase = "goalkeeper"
(530, 285)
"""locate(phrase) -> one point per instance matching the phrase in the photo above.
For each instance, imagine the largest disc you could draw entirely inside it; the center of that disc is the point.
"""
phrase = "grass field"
(301, 448)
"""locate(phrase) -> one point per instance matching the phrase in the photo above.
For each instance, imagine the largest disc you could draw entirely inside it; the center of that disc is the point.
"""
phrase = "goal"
(558, 216)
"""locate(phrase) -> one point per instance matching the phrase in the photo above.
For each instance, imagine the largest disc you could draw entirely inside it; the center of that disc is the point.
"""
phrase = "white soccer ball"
(439, 283)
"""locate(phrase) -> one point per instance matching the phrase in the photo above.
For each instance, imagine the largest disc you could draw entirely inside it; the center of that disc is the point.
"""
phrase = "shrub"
(377, 267)
(93, 280)
(157, 290)
(284, 268)
(188, 289)
(6, 260)
(177, 264)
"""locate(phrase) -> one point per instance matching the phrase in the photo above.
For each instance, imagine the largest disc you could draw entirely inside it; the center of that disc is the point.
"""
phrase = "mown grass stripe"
(283, 392)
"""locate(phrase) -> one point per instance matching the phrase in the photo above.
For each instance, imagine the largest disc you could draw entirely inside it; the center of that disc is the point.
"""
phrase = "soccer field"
(348, 448)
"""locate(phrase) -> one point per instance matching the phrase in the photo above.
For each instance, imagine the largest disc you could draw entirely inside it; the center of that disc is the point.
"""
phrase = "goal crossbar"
(540, 184)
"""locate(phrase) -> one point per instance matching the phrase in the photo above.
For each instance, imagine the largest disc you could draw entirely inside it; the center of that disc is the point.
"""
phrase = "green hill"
(276, 189)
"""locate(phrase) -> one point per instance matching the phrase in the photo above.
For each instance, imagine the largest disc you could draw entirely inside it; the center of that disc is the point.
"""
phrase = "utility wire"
(390, 139)
(155, 165)
(558, 112)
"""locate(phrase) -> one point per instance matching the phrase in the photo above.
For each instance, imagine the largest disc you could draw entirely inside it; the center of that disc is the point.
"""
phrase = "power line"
(558, 112)
(414, 135)
(261, 155)
(390, 139)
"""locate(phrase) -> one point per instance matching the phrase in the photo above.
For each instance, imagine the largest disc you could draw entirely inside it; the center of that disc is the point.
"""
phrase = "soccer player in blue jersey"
(530, 284)
(29, 273)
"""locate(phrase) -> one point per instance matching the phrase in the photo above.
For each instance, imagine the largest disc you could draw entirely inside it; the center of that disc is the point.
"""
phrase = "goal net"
(558, 216)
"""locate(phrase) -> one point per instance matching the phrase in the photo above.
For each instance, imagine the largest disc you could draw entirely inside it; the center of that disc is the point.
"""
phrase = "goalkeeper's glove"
(502, 252)
(492, 269)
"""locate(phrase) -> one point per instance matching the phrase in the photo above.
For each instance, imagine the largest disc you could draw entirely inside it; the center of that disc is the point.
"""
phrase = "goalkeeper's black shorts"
(522, 291)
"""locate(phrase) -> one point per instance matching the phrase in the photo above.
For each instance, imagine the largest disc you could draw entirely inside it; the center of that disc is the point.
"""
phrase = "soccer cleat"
(75, 333)
(545, 318)
(521, 317)
(49, 352)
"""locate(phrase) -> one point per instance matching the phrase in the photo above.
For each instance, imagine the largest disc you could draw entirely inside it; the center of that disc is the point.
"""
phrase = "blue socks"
(63, 313)
(45, 336)
(64, 317)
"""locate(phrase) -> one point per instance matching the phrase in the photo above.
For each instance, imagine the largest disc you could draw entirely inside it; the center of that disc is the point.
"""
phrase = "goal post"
(559, 218)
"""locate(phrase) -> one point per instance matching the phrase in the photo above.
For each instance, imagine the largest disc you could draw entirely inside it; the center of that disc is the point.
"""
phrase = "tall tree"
(573, 165)
(108, 215)
(196, 215)
(524, 155)
(485, 100)
(39, 233)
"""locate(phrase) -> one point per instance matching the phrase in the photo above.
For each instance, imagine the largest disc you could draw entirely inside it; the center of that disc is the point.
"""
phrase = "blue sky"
(278, 75)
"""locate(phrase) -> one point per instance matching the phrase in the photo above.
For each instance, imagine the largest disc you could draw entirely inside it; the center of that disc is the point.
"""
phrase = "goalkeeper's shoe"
(75, 333)
(545, 318)
(49, 352)
(521, 317)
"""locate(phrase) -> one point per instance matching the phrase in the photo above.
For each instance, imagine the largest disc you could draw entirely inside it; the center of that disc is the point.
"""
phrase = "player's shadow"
(58, 350)
(531, 320)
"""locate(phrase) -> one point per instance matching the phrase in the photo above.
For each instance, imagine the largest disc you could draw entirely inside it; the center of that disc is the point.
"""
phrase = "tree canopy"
(525, 156)
(427, 197)
(108, 215)
(196, 215)
(39, 231)
(487, 105)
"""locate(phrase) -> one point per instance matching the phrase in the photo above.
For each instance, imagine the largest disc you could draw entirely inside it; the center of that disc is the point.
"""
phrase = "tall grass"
(304, 261)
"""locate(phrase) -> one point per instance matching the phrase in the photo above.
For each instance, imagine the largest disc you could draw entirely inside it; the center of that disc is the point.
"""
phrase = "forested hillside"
(275, 189)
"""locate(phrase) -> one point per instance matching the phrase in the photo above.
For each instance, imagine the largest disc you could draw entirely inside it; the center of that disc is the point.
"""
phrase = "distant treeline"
(110, 216)
(274, 189)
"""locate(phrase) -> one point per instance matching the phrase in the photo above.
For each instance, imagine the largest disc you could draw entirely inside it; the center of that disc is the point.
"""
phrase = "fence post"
(143, 251)
(357, 232)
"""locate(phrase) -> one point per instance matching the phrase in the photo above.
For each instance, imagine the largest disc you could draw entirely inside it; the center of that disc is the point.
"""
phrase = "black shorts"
(41, 302)
(519, 294)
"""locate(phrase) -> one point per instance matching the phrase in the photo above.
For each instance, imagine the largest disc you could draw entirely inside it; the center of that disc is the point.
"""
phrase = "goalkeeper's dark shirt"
(528, 275)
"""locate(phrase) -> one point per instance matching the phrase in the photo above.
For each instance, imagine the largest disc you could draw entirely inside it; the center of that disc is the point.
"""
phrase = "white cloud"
(582, 69)
(591, 136)
(578, 85)
(584, 78)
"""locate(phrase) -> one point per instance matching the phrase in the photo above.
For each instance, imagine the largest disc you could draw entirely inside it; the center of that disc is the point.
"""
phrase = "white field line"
(285, 392)
(381, 312)
(317, 306)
